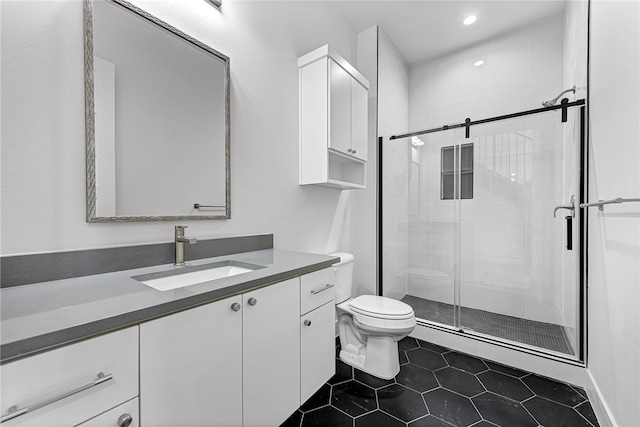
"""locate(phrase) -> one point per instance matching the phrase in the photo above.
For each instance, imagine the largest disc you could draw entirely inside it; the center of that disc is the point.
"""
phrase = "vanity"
(101, 338)
(104, 350)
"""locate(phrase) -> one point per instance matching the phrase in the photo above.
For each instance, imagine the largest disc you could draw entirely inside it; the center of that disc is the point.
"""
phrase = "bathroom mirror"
(157, 119)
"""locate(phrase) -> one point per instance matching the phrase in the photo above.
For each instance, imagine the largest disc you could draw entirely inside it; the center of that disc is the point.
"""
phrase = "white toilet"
(370, 326)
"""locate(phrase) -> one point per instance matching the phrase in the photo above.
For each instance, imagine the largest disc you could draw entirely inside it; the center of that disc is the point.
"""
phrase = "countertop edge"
(16, 350)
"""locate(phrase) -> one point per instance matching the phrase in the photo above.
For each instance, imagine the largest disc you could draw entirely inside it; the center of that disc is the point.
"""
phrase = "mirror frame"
(90, 123)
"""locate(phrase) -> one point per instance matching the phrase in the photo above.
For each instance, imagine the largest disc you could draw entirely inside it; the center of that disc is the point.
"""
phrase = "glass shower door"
(419, 223)
(518, 253)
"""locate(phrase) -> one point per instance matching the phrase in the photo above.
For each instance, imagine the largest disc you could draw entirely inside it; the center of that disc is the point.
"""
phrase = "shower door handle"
(569, 224)
(571, 206)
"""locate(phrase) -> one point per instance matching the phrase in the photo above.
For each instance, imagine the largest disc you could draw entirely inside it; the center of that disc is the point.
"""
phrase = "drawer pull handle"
(125, 420)
(324, 288)
(14, 411)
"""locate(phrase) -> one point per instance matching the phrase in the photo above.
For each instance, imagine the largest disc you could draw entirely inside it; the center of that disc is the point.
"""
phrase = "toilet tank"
(344, 276)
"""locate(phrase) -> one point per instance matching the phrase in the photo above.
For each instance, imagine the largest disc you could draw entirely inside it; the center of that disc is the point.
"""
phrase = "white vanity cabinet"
(72, 384)
(333, 98)
(317, 331)
(271, 354)
(191, 367)
(234, 362)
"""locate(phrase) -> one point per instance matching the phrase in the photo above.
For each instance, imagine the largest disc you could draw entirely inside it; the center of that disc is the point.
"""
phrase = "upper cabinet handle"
(324, 288)
(14, 411)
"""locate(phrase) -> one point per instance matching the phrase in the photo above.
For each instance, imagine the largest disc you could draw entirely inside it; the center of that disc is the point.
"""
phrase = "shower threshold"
(539, 334)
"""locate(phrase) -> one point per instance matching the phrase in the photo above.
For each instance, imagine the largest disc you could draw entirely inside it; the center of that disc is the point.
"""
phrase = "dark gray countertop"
(45, 315)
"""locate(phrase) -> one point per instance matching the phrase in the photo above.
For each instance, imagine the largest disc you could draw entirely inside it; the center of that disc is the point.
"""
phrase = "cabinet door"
(191, 367)
(317, 349)
(359, 119)
(271, 353)
(339, 108)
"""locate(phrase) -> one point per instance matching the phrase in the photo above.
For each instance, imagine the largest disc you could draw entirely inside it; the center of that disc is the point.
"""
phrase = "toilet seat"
(381, 308)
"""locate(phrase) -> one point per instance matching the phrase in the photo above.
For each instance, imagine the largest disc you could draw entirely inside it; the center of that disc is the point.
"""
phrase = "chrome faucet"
(180, 241)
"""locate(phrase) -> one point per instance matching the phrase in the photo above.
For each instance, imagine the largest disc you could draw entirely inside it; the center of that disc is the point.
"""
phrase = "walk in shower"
(478, 231)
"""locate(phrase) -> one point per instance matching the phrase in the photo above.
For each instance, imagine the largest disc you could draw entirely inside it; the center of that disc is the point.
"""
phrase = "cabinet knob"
(353, 151)
(235, 306)
(125, 420)
(252, 301)
(307, 322)
(349, 150)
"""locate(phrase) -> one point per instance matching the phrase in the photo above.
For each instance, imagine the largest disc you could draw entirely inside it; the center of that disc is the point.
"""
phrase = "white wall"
(393, 118)
(364, 227)
(614, 234)
(43, 157)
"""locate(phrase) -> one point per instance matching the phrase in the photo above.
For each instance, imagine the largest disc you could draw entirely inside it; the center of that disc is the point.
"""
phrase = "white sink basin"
(188, 276)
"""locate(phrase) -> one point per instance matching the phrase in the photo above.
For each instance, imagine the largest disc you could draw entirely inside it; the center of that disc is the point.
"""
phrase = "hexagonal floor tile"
(343, 373)
(403, 358)
(407, 343)
(503, 411)
(353, 398)
(426, 359)
(459, 381)
(553, 390)
(401, 402)
(586, 411)
(327, 416)
(378, 419)
(505, 385)
(319, 399)
(429, 421)
(505, 369)
(550, 413)
(465, 362)
(370, 380)
(433, 347)
(451, 407)
(294, 420)
(416, 378)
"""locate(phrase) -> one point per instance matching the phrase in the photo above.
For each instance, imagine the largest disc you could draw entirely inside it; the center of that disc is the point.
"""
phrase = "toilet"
(370, 326)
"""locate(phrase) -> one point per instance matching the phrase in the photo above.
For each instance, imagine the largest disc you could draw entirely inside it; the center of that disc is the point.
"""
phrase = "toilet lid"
(381, 307)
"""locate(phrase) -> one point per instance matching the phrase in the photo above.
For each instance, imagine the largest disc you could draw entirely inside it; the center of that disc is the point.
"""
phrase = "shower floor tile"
(538, 334)
(494, 395)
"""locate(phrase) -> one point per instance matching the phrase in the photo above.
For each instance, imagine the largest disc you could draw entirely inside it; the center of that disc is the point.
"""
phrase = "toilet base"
(378, 358)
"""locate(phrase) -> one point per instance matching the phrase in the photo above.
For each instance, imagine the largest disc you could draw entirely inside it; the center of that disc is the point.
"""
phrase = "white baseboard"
(599, 405)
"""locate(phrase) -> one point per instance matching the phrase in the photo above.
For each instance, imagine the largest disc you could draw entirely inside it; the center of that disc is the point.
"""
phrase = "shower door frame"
(581, 188)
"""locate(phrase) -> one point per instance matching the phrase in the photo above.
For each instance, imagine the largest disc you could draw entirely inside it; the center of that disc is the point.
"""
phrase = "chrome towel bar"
(600, 203)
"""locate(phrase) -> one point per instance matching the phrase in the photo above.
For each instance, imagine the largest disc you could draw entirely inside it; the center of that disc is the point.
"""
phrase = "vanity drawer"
(316, 289)
(72, 384)
(126, 414)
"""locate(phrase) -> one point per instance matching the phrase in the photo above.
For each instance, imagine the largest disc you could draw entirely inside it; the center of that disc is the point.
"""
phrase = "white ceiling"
(423, 29)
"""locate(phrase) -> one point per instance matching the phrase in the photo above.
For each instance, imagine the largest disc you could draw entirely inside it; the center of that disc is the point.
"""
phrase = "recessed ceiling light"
(478, 63)
(469, 20)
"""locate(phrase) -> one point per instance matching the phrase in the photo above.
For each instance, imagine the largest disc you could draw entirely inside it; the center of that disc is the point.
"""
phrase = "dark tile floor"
(438, 387)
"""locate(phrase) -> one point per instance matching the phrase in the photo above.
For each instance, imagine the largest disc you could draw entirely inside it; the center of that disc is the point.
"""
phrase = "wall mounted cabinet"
(333, 98)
